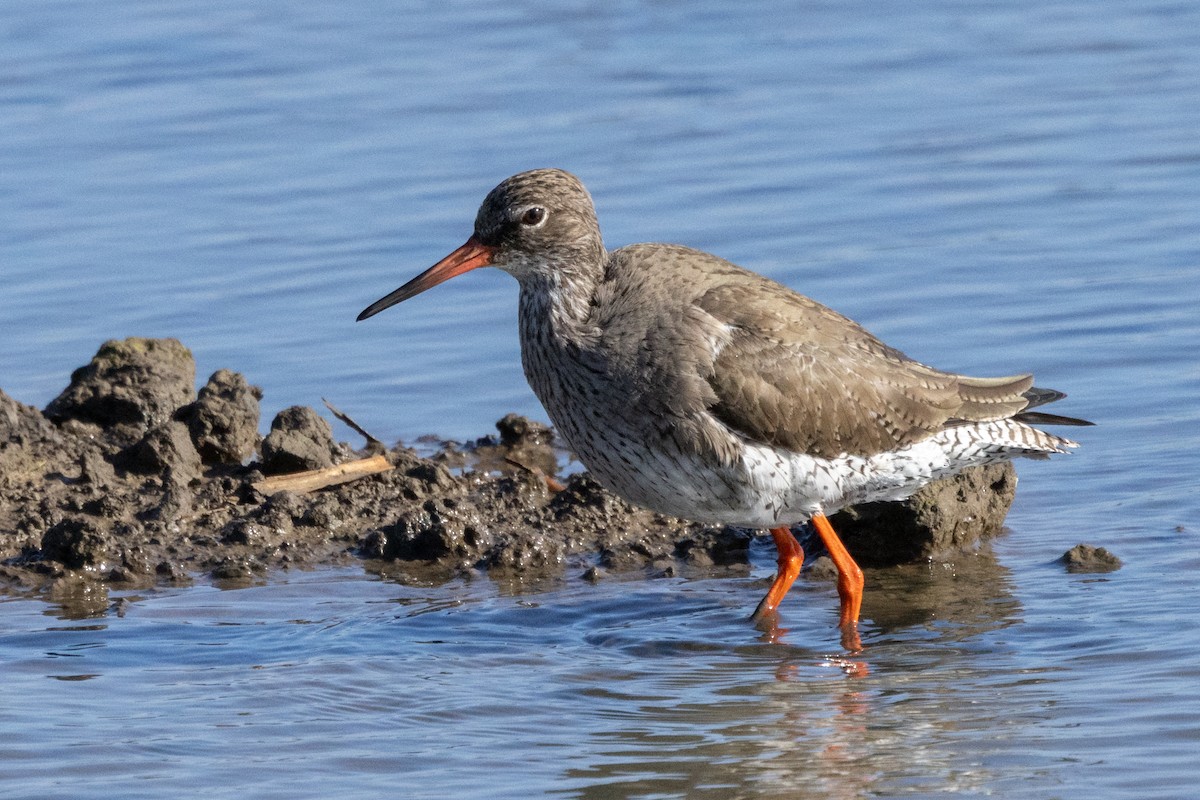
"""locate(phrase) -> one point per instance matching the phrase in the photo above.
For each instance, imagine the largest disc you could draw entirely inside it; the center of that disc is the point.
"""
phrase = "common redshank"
(701, 390)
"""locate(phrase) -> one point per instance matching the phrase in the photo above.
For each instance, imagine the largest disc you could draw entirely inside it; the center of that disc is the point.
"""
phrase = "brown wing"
(796, 374)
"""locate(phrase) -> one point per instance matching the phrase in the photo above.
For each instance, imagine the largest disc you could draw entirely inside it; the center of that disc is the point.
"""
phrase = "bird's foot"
(767, 621)
(764, 613)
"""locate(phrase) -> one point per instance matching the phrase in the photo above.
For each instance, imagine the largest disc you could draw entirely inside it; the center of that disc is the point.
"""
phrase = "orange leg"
(791, 558)
(850, 577)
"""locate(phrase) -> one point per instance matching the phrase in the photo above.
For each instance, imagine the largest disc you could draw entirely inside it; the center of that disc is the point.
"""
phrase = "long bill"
(471, 255)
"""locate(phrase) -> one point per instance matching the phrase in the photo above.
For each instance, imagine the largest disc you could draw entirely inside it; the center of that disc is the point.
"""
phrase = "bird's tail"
(1040, 397)
(1011, 397)
(1018, 440)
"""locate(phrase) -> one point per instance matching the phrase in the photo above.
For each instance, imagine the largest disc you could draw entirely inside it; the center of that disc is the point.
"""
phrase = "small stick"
(313, 479)
(552, 483)
(344, 417)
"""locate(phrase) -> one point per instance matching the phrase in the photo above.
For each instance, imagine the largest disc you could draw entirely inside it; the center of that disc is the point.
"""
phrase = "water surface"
(992, 189)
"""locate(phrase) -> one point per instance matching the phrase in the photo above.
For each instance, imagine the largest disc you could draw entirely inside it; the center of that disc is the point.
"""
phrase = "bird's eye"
(533, 216)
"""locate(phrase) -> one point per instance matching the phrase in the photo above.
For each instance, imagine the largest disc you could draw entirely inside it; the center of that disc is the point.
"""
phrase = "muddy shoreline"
(131, 478)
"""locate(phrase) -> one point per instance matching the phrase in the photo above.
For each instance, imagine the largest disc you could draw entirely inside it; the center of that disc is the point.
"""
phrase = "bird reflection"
(778, 718)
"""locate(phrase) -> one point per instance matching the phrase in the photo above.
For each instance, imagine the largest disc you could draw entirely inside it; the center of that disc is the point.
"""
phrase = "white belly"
(770, 487)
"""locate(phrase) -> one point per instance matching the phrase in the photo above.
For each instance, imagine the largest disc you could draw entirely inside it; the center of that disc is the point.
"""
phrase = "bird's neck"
(557, 338)
(558, 303)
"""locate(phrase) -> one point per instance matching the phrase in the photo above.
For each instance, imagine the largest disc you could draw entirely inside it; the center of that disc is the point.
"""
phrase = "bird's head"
(531, 225)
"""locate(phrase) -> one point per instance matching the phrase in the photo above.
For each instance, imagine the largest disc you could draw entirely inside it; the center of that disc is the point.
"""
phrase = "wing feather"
(797, 375)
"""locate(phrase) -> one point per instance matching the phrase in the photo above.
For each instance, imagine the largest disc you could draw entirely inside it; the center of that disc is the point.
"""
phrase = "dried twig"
(313, 479)
(344, 417)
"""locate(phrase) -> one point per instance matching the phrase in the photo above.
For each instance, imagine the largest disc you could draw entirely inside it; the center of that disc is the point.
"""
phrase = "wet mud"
(132, 478)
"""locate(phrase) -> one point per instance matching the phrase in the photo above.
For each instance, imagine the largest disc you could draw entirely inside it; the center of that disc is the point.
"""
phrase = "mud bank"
(130, 478)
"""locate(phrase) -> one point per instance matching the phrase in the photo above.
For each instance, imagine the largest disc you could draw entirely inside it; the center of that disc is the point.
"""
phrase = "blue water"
(991, 189)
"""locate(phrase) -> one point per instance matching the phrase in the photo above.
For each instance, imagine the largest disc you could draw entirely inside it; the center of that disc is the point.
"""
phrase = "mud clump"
(941, 520)
(436, 531)
(522, 443)
(223, 422)
(1085, 558)
(166, 450)
(129, 478)
(300, 439)
(75, 542)
(130, 386)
